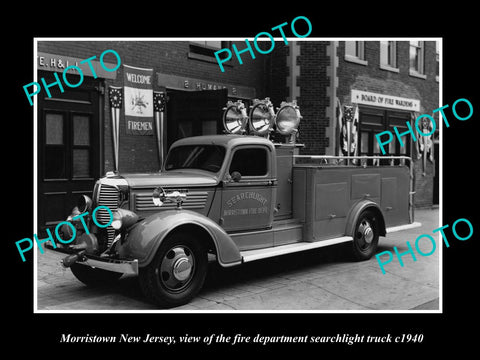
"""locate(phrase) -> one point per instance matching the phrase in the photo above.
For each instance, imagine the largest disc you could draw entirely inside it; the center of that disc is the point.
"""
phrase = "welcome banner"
(138, 96)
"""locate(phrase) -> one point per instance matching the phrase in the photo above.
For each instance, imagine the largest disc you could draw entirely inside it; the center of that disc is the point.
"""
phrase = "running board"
(403, 227)
(258, 254)
(252, 255)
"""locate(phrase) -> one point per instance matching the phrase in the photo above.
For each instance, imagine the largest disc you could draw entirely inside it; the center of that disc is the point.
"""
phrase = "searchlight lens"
(288, 118)
(261, 118)
(235, 118)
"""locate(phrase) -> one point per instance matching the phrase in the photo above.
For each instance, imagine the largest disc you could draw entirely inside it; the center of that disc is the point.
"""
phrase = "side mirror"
(236, 176)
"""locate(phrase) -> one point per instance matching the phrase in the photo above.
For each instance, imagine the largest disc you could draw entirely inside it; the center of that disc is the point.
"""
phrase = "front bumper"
(115, 265)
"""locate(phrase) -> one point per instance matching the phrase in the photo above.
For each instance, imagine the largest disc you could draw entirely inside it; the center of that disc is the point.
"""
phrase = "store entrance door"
(68, 148)
(192, 113)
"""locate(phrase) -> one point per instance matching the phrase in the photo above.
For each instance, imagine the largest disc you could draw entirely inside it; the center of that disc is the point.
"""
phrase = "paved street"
(321, 279)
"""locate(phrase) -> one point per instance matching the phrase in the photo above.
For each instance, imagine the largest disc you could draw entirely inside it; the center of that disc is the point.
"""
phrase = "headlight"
(84, 204)
(123, 218)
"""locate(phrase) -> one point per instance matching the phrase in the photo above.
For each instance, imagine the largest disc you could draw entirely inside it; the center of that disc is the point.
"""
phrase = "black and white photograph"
(244, 181)
(158, 174)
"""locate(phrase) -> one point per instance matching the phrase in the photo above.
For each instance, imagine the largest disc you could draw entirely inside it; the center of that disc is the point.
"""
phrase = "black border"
(460, 79)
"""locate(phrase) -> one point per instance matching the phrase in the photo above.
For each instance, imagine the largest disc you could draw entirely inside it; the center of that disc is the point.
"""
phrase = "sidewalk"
(316, 280)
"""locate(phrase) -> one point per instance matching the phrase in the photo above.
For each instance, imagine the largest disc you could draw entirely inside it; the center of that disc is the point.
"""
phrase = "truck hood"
(170, 179)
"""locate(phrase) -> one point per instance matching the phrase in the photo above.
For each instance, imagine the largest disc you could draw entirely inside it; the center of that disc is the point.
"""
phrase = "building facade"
(387, 83)
(79, 140)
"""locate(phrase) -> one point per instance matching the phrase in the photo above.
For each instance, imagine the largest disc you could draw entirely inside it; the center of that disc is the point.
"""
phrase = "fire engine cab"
(236, 197)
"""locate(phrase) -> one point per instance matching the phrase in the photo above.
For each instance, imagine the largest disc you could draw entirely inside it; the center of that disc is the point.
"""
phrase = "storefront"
(389, 84)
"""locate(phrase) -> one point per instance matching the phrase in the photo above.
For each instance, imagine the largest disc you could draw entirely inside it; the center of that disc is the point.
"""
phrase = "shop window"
(81, 146)
(205, 49)
(355, 52)
(54, 129)
(54, 167)
(81, 163)
(417, 59)
(388, 56)
(208, 44)
(374, 121)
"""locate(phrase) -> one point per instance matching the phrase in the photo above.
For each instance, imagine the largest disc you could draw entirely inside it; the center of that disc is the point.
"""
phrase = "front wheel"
(365, 236)
(177, 272)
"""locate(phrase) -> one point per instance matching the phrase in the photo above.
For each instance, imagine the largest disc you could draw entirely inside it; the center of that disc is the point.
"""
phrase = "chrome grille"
(108, 196)
(195, 200)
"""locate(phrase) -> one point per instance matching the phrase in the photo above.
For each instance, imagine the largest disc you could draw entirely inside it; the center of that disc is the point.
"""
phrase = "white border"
(35, 169)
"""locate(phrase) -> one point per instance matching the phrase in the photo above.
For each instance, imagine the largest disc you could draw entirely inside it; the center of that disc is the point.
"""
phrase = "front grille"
(108, 196)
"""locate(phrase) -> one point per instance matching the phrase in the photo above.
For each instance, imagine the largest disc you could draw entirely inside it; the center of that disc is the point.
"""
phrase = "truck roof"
(224, 140)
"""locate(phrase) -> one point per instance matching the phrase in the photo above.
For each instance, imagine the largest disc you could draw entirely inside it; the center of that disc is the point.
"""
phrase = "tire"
(365, 236)
(177, 272)
(93, 276)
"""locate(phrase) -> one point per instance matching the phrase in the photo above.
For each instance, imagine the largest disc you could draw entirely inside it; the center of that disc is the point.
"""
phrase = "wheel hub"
(177, 268)
(182, 269)
(368, 234)
(365, 233)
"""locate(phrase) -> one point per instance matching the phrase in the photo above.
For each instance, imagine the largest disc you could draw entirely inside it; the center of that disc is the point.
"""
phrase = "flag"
(115, 97)
(354, 143)
(159, 108)
(347, 125)
(138, 86)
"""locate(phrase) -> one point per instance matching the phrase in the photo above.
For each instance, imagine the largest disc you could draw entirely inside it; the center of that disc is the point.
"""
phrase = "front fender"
(146, 236)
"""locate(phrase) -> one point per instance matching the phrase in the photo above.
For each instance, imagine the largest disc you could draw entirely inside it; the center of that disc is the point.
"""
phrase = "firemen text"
(249, 48)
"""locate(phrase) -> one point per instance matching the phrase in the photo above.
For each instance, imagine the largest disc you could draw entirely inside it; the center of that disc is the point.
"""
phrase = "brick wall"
(372, 78)
(313, 101)
(139, 153)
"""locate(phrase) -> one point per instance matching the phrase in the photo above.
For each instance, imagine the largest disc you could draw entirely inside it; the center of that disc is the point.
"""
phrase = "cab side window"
(250, 162)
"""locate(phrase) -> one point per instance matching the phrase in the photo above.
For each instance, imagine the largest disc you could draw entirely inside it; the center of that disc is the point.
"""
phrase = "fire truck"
(235, 198)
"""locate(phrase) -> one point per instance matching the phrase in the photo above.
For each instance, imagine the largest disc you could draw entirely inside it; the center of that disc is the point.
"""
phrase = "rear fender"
(357, 210)
(145, 237)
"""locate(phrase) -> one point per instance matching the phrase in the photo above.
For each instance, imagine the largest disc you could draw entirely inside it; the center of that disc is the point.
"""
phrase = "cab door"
(249, 192)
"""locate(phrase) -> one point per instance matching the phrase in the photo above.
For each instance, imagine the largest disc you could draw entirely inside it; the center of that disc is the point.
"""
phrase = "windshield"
(203, 157)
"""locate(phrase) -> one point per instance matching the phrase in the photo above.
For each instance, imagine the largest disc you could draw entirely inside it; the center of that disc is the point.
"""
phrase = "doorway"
(193, 113)
(68, 156)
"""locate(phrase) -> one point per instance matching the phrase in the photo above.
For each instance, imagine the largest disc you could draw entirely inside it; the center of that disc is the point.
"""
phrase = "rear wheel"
(365, 236)
(177, 272)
